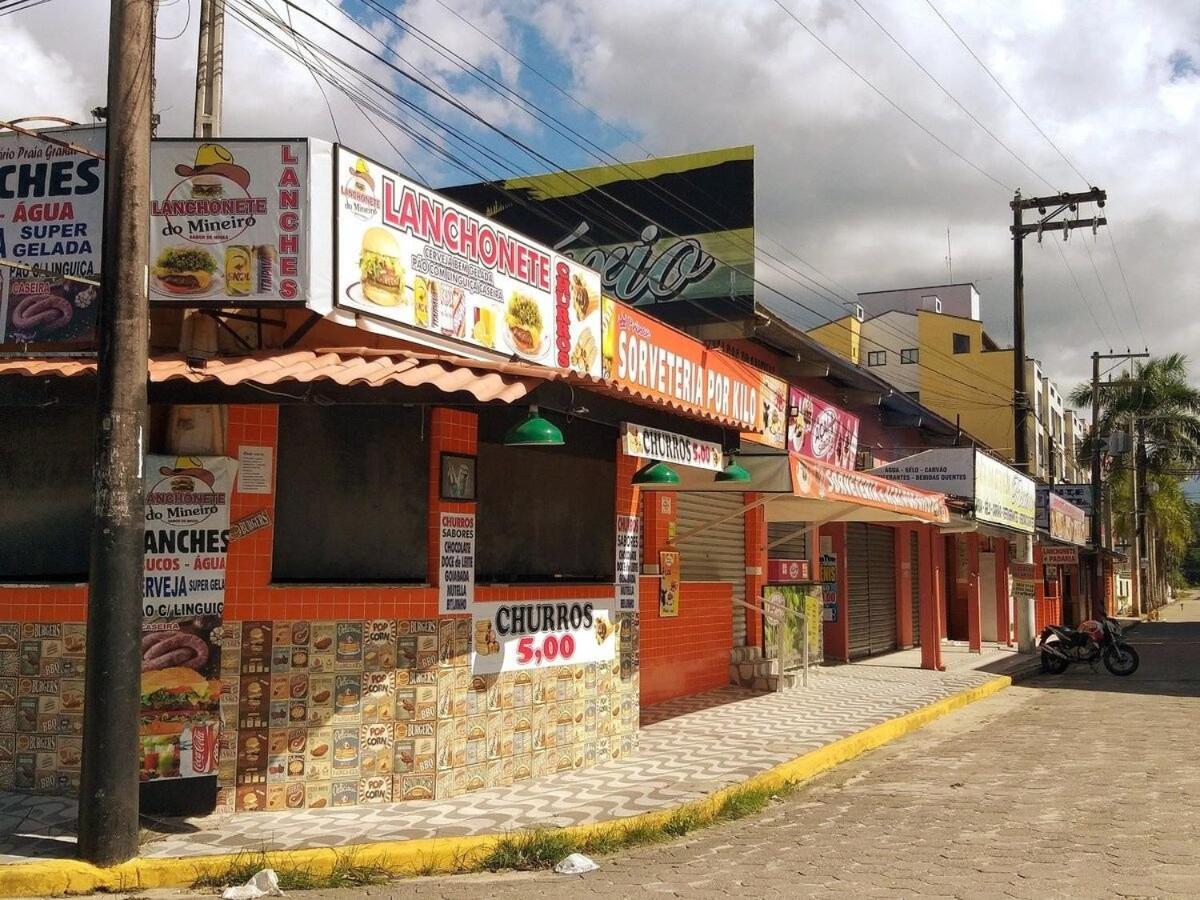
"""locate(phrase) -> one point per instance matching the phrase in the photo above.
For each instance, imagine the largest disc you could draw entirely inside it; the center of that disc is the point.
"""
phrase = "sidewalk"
(689, 749)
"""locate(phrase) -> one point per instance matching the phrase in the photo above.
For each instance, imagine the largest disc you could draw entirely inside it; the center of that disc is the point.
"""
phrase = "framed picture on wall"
(457, 479)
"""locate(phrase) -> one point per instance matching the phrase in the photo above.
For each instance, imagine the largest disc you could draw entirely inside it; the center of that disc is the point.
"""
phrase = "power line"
(533, 153)
(16, 6)
(1104, 292)
(892, 103)
(1125, 281)
(1082, 296)
(1000, 85)
(945, 90)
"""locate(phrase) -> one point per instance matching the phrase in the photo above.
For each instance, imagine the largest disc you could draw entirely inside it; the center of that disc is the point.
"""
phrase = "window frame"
(913, 355)
(954, 343)
(872, 355)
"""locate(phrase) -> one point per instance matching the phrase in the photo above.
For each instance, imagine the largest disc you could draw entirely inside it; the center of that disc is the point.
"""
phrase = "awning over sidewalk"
(797, 489)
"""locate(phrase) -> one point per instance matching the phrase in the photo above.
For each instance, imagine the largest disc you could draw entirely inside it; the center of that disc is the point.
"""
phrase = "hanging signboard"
(629, 562)
(1060, 556)
(654, 360)
(1023, 577)
(51, 209)
(1059, 518)
(187, 538)
(515, 636)
(1076, 494)
(668, 584)
(787, 571)
(668, 447)
(229, 222)
(661, 230)
(413, 257)
(1001, 494)
(456, 563)
(820, 430)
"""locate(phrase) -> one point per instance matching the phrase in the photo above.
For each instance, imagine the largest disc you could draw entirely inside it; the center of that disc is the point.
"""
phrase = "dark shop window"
(546, 514)
(962, 343)
(45, 493)
(352, 495)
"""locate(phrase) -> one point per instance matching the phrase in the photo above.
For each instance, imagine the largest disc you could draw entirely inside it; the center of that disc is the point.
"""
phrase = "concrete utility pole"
(108, 796)
(1136, 552)
(210, 68)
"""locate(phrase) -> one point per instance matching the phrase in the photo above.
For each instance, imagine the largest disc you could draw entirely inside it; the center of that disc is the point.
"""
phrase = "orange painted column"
(932, 554)
(837, 633)
(1003, 626)
(756, 566)
(974, 602)
(904, 593)
(1041, 616)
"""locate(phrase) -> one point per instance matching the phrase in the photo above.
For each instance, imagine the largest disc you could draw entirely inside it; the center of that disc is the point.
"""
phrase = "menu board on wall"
(456, 562)
(820, 430)
(229, 222)
(187, 537)
(51, 209)
(414, 257)
(629, 562)
(515, 636)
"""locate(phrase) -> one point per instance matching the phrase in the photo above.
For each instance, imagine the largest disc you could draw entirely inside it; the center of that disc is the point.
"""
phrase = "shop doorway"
(914, 561)
(987, 597)
(871, 567)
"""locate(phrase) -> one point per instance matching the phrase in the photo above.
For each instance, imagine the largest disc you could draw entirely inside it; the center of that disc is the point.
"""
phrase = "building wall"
(842, 336)
(972, 387)
(957, 300)
(890, 333)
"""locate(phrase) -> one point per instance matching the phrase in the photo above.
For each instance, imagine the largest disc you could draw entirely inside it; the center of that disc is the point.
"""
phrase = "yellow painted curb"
(457, 854)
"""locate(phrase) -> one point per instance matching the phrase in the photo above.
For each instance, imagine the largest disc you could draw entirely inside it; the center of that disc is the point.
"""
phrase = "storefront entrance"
(871, 569)
(716, 549)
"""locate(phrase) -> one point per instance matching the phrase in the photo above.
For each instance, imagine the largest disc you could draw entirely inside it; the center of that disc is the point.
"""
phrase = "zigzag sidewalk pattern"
(689, 748)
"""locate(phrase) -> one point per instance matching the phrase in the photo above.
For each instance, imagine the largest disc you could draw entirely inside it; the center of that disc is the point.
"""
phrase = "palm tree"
(1164, 411)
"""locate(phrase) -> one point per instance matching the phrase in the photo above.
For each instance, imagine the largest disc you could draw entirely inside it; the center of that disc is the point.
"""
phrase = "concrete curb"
(457, 854)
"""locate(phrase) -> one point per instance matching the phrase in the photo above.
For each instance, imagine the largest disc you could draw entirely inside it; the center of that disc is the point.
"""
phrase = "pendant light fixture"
(733, 471)
(535, 431)
(655, 473)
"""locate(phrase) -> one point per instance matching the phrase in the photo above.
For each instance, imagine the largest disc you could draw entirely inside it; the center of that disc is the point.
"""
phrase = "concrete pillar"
(755, 521)
(974, 601)
(929, 539)
(1003, 627)
(904, 593)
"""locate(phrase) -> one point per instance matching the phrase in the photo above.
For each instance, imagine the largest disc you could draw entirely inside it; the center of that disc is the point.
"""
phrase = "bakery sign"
(519, 636)
(654, 360)
(410, 256)
(668, 447)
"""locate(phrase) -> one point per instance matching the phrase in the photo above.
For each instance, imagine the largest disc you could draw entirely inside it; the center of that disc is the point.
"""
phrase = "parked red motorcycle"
(1095, 639)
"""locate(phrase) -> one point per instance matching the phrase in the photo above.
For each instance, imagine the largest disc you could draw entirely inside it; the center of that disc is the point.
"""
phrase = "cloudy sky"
(845, 183)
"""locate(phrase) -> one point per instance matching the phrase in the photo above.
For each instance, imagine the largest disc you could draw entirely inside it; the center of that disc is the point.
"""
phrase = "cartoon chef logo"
(358, 191)
(184, 493)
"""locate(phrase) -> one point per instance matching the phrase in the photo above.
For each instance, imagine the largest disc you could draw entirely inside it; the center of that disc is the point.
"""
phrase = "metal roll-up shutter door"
(795, 547)
(914, 560)
(719, 552)
(881, 544)
(859, 595)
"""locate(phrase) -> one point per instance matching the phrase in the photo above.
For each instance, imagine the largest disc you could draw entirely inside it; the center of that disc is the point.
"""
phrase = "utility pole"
(210, 67)
(1136, 547)
(108, 796)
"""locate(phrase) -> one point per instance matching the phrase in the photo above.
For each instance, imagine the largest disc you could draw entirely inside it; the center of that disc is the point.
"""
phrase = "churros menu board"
(229, 222)
(409, 255)
(187, 538)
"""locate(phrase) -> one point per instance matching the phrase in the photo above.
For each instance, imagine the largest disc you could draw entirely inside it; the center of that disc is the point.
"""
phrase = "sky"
(847, 185)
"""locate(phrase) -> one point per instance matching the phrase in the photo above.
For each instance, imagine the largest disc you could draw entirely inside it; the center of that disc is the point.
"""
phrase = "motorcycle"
(1095, 639)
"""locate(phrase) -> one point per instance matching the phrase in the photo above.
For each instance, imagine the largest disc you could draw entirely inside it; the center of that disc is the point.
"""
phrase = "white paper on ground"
(575, 864)
(265, 883)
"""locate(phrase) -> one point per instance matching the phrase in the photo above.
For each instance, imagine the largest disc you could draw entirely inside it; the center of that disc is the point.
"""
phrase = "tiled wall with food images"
(325, 714)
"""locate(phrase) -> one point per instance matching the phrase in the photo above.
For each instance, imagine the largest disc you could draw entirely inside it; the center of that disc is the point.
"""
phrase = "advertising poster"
(516, 636)
(773, 395)
(668, 586)
(820, 430)
(1023, 577)
(629, 562)
(51, 209)
(187, 536)
(229, 222)
(668, 447)
(1061, 519)
(655, 360)
(792, 602)
(456, 563)
(787, 571)
(411, 256)
(662, 230)
(829, 588)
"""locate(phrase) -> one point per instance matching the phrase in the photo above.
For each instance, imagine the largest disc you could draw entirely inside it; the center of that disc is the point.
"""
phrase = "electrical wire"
(1083, 297)
(892, 103)
(1125, 281)
(533, 153)
(1007, 94)
(16, 6)
(186, 22)
(1104, 292)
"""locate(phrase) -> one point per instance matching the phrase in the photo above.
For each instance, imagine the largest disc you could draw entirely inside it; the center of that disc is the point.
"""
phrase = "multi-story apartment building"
(930, 343)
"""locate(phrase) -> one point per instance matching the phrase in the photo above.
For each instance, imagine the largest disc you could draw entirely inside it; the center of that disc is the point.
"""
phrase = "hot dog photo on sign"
(187, 537)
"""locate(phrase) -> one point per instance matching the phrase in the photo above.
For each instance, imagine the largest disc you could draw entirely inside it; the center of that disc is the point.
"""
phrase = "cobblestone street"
(1078, 786)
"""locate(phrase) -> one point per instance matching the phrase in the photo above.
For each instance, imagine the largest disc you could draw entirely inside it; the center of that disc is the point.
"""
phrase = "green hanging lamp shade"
(733, 472)
(655, 473)
(535, 431)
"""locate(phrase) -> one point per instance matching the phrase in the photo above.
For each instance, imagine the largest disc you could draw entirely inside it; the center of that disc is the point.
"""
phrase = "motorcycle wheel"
(1053, 665)
(1121, 659)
